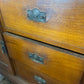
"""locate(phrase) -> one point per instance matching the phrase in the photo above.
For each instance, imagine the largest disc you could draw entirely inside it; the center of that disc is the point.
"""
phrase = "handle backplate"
(39, 80)
(36, 58)
(36, 15)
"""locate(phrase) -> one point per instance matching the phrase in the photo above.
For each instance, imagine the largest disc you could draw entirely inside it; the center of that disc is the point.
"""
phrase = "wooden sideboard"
(44, 40)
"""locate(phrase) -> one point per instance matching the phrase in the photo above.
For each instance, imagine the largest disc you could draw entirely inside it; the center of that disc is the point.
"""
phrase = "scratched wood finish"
(58, 65)
(29, 73)
(64, 26)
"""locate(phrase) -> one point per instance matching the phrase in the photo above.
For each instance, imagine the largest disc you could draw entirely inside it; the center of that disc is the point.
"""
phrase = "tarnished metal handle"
(36, 58)
(36, 15)
(3, 48)
(40, 80)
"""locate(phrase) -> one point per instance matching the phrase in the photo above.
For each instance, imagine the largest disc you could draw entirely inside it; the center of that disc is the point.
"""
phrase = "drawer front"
(63, 26)
(56, 63)
(33, 76)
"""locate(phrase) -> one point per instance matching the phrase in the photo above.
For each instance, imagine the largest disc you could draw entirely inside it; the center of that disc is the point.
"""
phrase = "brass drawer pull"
(3, 48)
(36, 15)
(40, 80)
(36, 58)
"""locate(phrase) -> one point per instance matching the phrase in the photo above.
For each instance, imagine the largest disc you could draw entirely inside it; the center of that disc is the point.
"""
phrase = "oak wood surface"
(64, 26)
(60, 65)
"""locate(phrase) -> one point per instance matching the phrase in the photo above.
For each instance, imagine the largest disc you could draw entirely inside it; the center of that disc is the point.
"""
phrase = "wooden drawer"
(64, 26)
(57, 63)
(32, 75)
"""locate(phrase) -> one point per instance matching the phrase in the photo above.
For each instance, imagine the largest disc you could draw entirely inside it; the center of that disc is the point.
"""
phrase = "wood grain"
(57, 64)
(64, 26)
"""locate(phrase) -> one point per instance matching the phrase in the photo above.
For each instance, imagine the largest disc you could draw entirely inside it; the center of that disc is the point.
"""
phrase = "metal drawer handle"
(3, 48)
(36, 15)
(40, 80)
(36, 58)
